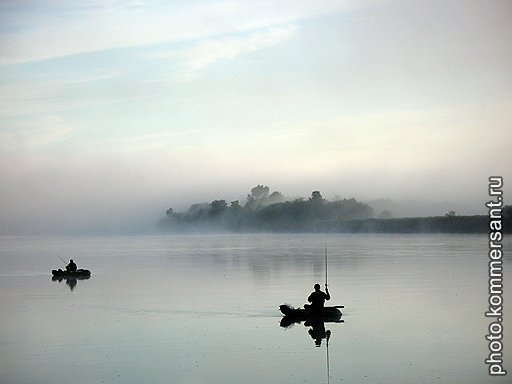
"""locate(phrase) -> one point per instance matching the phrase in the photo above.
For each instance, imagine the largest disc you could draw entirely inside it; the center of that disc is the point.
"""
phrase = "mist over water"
(104, 205)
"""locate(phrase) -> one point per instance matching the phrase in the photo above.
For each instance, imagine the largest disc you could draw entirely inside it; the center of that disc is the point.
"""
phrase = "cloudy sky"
(113, 111)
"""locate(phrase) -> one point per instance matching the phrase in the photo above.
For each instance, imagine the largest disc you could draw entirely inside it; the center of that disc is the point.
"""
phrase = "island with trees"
(265, 211)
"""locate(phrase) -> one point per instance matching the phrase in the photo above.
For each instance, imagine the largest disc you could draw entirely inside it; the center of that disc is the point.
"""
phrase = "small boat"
(77, 273)
(329, 314)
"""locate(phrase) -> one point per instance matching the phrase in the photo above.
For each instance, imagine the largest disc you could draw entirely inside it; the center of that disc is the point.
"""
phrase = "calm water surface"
(204, 309)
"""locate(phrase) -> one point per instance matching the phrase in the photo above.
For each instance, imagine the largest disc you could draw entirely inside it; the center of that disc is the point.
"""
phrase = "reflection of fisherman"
(71, 282)
(317, 331)
(317, 299)
(71, 267)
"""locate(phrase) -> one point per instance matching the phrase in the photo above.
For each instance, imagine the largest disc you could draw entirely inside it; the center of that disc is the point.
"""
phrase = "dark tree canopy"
(217, 207)
(267, 211)
(316, 196)
(271, 211)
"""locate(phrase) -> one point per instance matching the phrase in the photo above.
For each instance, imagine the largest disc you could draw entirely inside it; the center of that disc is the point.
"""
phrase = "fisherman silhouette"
(317, 300)
(71, 267)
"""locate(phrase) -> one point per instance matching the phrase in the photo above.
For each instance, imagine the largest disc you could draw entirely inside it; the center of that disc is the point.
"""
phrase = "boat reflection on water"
(316, 326)
(316, 322)
(71, 281)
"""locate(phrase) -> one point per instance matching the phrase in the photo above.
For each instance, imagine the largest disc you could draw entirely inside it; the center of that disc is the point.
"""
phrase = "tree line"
(266, 211)
(272, 212)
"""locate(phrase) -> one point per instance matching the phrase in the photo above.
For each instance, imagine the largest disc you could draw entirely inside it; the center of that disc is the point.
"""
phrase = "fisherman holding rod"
(318, 298)
(71, 267)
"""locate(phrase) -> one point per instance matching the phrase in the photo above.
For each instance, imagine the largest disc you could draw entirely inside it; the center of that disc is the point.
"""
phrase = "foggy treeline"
(266, 211)
(272, 212)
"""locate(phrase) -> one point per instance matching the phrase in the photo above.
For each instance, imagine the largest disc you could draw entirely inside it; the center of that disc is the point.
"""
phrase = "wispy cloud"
(49, 92)
(38, 133)
(50, 29)
(193, 60)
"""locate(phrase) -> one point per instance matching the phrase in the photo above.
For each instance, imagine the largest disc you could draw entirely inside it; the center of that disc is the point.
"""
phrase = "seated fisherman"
(317, 299)
(71, 267)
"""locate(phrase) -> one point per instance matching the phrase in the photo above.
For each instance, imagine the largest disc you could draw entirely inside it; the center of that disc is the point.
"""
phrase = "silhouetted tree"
(260, 192)
(235, 206)
(170, 212)
(316, 196)
(275, 197)
(258, 197)
(217, 207)
(197, 211)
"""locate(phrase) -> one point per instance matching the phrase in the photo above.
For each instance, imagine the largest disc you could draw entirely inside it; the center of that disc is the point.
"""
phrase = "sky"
(113, 111)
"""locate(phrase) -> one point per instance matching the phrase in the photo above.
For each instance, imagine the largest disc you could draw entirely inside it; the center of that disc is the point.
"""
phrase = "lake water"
(204, 309)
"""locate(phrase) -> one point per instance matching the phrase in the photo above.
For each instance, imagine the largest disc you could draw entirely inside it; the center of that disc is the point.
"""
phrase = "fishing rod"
(64, 261)
(325, 265)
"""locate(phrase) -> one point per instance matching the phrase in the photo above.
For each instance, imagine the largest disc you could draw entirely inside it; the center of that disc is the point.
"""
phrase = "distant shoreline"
(477, 224)
(272, 212)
